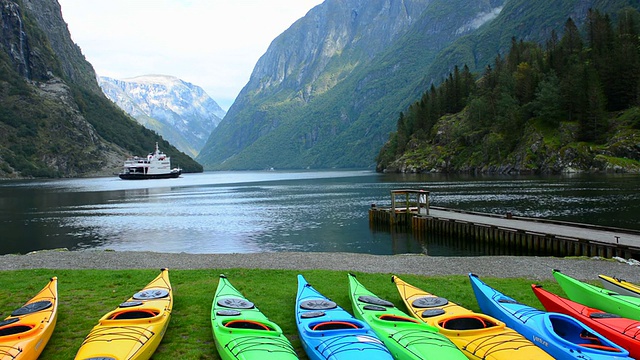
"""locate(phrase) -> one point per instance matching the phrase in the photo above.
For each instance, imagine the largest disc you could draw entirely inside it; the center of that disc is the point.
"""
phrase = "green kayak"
(405, 337)
(599, 298)
(242, 332)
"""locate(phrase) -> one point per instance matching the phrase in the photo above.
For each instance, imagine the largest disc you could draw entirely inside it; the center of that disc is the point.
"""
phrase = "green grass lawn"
(86, 295)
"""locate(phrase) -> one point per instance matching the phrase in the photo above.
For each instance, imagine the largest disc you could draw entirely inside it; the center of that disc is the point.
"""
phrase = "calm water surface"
(242, 212)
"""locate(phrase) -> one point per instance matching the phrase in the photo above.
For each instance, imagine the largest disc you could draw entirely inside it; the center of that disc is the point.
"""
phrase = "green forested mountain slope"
(320, 95)
(570, 105)
(301, 109)
(54, 120)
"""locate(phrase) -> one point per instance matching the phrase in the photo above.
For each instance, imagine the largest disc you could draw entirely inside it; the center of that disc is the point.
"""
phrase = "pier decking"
(538, 236)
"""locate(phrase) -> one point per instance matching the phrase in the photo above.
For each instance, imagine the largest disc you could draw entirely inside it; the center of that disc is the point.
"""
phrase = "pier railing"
(410, 211)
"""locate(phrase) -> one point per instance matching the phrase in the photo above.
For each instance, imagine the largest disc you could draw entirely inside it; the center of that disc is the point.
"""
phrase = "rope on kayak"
(336, 345)
(488, 345)
(107, 334)
(633, 330)
(11, 351)
(250, 343)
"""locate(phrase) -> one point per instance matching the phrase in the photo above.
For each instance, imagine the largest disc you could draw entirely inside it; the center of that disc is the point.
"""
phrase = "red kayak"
(622, 331)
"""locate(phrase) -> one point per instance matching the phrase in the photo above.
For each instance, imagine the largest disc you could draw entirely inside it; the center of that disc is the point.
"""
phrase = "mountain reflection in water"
(243, 212)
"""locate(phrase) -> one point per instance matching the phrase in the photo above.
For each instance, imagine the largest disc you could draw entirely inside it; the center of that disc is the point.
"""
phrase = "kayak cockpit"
(134, 314)
(335, 325)
(568, 329)
(246, 324)
(467, 322)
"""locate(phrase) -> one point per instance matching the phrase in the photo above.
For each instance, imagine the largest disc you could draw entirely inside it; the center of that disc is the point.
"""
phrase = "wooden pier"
(532, 236)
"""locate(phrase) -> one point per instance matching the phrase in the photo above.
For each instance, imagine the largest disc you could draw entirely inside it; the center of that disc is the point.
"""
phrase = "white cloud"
(210, 43)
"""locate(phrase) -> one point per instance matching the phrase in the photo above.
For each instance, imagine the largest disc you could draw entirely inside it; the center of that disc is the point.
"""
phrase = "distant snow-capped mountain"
(180, 112)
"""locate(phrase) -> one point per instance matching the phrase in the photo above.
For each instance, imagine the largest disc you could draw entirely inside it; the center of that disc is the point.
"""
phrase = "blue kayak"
(561, 336)
(328, 332)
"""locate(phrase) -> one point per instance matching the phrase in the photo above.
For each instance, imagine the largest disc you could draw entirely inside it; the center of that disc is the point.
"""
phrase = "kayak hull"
(25, 333)
(622, 331)
(478, 336)
(242, 332)
(328, 332)
(620, 286)
(561, 336)
(599, 298)
(135, 328)
(405, 337)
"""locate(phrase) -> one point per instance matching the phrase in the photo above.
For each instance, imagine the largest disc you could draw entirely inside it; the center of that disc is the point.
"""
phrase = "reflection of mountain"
(181, 112)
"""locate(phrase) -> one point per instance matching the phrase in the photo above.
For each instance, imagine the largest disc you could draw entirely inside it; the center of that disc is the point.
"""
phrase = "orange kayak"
(25, 333)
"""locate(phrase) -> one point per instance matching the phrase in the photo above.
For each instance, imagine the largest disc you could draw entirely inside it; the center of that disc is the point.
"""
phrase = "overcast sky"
(211, 43)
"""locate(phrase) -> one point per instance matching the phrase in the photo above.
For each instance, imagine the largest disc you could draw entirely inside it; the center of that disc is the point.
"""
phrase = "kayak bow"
(242, 332)
(135, 328)
(25, 333)
(478, 336)
(405, 337)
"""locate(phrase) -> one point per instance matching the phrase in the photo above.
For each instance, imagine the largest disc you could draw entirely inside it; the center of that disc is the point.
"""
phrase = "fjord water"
(243, 212)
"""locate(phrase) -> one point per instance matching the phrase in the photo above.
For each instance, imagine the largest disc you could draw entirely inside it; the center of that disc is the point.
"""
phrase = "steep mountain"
(328, 90)
(179, 111)
(54, 119)
(322, 92)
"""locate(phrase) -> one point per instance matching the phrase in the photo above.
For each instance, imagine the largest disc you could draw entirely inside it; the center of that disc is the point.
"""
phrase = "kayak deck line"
(503, 234)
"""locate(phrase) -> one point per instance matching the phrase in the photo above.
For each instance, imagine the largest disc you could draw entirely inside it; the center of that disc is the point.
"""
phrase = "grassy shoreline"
(86, 295)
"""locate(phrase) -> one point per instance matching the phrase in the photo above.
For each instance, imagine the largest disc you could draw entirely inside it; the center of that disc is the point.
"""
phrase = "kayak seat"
(11, 330)
(334, 325)
(137, 314)
(465, 323)
(246, 324)
(389, 317)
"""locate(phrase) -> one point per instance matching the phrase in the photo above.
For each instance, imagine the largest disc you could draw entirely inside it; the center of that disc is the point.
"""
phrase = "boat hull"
(405, 337)
(25, 333)
(242, 332)
(328, 332)
(620, 286)
(137, 176)
(478, 336)
(561, 336)
(622, 331)
(135, 328)
(599, 298)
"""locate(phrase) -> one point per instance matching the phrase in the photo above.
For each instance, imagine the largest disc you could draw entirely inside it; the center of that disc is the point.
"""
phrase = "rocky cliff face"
(327, 91)
(54, 119)
(180, 112)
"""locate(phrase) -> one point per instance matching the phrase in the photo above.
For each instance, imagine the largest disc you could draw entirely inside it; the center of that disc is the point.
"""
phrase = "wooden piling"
(487, 238)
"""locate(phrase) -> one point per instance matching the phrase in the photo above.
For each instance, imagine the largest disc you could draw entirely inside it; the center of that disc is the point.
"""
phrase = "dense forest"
(578, 91)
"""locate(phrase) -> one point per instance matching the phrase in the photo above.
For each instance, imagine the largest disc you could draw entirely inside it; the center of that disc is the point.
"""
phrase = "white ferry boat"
(156, 165)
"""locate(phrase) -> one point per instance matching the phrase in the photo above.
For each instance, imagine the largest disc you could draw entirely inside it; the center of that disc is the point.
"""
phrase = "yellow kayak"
(25, 333)
(479, 336)
(134, 329)
(620, 286)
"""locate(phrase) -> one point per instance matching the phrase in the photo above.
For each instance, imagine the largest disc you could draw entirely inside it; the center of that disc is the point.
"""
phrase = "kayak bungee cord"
(16, 350)
(124, 333)
(528, 312)
(522, 343)
(253, 343)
